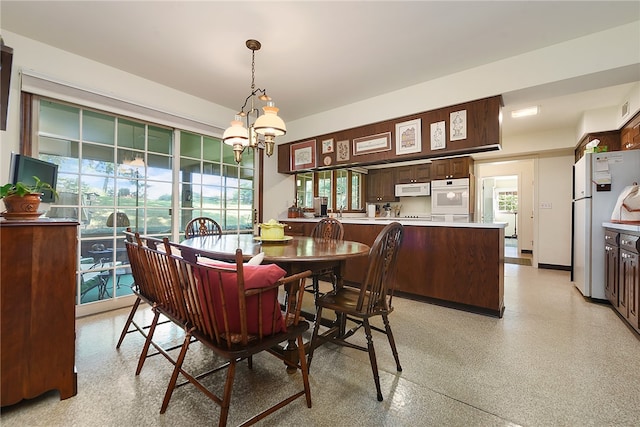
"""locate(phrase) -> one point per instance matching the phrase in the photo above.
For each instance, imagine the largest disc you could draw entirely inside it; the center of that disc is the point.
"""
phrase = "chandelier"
(257, 131)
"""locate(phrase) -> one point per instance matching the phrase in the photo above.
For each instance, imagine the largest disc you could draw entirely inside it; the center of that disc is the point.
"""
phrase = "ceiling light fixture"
(264, 129)
(524, 112)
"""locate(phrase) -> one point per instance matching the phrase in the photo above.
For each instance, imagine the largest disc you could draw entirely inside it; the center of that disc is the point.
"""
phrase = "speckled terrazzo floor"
(552, 360)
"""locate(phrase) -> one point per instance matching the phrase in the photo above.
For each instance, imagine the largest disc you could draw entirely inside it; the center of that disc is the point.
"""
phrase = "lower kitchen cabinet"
(458, 267)
(630, 277)
(298, 228)
(627, 280)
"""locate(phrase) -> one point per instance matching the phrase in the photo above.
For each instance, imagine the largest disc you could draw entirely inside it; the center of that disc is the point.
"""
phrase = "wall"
(554, 185)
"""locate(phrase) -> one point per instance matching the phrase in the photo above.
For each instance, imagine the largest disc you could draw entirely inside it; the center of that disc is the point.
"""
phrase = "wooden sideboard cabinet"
(37, 314)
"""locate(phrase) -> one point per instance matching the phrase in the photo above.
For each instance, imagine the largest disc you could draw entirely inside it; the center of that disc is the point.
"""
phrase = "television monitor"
(24, 168)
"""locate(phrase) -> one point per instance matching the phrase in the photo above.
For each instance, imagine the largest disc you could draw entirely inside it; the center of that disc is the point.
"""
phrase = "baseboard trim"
(555, 267)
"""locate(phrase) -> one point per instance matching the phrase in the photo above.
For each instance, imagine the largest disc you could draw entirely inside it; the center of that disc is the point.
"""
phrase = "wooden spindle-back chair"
(326, 228)
(233, 310)
(373, 298)
(202, 226)
(147, 290)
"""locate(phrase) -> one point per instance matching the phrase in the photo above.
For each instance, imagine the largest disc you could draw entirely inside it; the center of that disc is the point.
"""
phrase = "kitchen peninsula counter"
(459, 265)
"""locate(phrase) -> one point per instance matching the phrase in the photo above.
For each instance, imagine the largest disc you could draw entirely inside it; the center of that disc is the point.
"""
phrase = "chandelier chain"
(253, 70)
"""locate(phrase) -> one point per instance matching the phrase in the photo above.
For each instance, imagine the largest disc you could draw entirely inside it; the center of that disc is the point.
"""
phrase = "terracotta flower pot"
(22, 207)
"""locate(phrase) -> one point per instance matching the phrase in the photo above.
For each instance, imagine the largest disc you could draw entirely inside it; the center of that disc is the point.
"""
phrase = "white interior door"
(487, 213)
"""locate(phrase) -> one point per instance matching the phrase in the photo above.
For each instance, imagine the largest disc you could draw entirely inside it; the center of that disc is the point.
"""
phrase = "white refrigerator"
(591, 208)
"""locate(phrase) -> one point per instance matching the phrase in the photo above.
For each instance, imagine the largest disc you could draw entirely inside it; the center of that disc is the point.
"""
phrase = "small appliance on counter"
(320, 206)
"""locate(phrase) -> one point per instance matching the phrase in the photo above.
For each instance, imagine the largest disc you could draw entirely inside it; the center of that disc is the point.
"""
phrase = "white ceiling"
(318, 55)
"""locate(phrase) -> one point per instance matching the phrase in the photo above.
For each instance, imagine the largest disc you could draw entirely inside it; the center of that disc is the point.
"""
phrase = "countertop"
(404, 221)
(622, 227)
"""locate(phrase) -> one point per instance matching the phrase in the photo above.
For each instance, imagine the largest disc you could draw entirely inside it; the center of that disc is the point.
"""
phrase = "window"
(304, 190)
(325, 187)
(346, 194)
(117, 172)
(507, 201)
(213, 185)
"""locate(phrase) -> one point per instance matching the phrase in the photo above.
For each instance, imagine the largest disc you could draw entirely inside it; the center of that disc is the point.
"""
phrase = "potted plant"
(22, 200)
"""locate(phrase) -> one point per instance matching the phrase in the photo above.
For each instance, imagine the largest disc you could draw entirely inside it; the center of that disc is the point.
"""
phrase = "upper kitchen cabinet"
(630, 135)
(381, 186)
(413, 174)
(457, 167)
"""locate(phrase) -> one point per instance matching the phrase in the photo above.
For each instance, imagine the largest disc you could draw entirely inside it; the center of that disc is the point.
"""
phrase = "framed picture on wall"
(458, 125)
(342, 151)
(327, 146)
(438, 136)
(408, 137)
(372, 144)
(303, 155)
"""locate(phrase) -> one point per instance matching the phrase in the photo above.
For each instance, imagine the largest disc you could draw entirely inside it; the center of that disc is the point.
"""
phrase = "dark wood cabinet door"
(404, 175)
(440, 169)
(622, 290)
(460, 167)
(422, 172)
(457, 167)
(632, 276)
(629, 284)
(413, 174)
(298, 228)
(611, 274)
(381, 186)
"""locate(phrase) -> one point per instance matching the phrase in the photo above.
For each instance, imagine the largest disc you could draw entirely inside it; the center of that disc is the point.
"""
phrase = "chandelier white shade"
(265, 128)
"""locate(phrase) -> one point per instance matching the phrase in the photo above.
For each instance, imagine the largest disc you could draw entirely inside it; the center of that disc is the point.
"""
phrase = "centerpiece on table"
(272, 231)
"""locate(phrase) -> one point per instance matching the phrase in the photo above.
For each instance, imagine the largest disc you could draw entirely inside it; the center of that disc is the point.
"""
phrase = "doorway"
(500, 203)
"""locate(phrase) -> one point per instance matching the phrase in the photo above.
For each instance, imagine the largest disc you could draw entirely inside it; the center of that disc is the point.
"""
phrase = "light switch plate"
(545, 205)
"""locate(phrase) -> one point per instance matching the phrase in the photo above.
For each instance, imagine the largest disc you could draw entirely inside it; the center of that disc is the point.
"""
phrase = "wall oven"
(450, 197)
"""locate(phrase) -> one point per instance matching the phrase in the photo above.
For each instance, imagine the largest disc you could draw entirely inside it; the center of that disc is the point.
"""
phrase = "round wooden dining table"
(294, 253)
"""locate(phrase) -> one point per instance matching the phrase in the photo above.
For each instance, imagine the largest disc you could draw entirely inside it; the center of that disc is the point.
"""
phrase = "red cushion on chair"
(255, 277)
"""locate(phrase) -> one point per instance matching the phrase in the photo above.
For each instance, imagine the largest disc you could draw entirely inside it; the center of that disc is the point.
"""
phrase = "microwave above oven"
(418, 189)
(450, 196)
